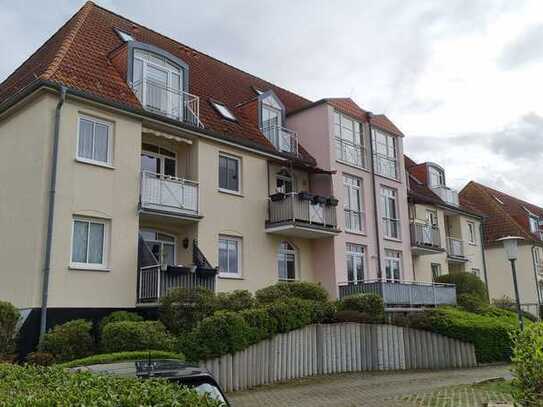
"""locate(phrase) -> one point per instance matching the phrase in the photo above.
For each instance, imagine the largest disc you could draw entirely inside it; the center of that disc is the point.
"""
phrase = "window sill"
(392, 239)
(88, 268)
(95, 163)
(389, 178)
(230, 277)
(227, 191)
(354, 232)
(348, 164)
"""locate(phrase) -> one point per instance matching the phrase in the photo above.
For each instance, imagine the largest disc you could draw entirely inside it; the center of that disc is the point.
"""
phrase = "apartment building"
(446, 233)
(510, 216)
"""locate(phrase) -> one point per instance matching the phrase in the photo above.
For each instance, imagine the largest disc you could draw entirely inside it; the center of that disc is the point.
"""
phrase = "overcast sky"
(462, 79)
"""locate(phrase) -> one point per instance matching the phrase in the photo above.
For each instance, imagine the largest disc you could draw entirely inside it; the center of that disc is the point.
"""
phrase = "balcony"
(404, 294)
(169, 195)
(172, 103)
(283, 139)
(446, 194)
(455, 250)
(425, 239)
(302, 215)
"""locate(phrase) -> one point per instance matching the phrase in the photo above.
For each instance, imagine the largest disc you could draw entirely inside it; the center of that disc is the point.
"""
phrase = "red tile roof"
(384, 123)
(506, 217)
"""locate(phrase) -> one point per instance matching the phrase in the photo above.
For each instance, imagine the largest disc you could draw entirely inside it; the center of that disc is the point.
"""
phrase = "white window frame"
(350, 256)
(385, 216)
(110, 136)
(341, 140)
(162, 242)
(240, 178)
(437, 173)
(347, 210)
(533, 221)
(472, 237)
(105, 244)
(294, 252)
(439, 268)
(239, 241)
(389, 139)
(224, 111)
(162, 158)
(393, 256)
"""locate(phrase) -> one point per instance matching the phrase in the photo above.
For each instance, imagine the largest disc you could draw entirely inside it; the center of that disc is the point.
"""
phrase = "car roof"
(160, 368)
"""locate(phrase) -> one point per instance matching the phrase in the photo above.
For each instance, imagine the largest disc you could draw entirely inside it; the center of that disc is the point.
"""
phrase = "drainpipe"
(482, 234)
(376, 217)
(51, 213)
(535, 275)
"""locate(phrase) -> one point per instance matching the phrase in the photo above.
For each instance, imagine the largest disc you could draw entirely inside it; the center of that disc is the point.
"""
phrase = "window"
(437, 177)
(392, 265)
(161, 246)
(471, 233)
(284, 182)
(158, 160)
(89, 237)
(356, 263)
(349, 141)
(352, 204)
(229, 174)
(124, 36)
(286, 261)
(431, 218)
(389, 209)
(436, 271)
(224, 111)
(386, 162)
(229, 256)
(476, 273)
(534, 224)
(94, 141)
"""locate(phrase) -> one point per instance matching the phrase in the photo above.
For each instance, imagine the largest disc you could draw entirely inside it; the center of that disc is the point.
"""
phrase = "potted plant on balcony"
(332, 201)
(277, 196)
(320, 200)
(305, 196)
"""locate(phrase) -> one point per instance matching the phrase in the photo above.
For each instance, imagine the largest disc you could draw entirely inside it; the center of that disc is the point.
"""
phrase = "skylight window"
(124, 36)
(498, 199)
(224, 111)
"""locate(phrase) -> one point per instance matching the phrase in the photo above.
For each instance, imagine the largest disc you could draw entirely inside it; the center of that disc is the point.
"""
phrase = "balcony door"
(161, 245)
(158, 161)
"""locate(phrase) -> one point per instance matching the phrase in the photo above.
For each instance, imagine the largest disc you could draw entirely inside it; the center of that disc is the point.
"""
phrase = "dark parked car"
(193, 377)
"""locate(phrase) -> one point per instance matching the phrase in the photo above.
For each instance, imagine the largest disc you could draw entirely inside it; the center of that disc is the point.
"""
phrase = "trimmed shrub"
(119, 316)
(466, 283)
(224, 332)
(40, 358)
(528, 366)
(508, 304)
(291, 314)
(369, 304)
(182, 308)
(72, 340)
(9, 316)
(128, 336)
(54, 386)
(261, 326)
(296, 289)
(353, 316)
(323, 312)
(122, 356)
(472, 303)
(237, 300)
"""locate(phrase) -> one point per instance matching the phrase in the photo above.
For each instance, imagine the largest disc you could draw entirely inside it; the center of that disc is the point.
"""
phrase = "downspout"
(482, 234)
(535, 276)
(51, 214)
(376, 217)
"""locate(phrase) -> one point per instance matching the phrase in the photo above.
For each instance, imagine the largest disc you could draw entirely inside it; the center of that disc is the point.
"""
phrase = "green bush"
(119, 316)
(466, 283)
(528, 366)
(472, 303)
(182, 308)
(291, 314)
(490, 335)
(72, 340)
(132, 336)
(122, 356)
(54, 386)
(261, 326)
(296, 289)
(9, 316)
(222, 333)
(354, 316)
(508, 304)
(236, 300)
(40, 358)
(370, 304)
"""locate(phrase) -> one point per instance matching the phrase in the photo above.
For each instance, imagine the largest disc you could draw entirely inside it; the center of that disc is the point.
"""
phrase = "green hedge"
(122, 356)
(120, 316)
(54, 386)
(491, 335)
(72, 340)
(9, 315)
(133, 336)
(369, 306)
(296, 289)
(466, 283)
(236, 300)
(528, 366)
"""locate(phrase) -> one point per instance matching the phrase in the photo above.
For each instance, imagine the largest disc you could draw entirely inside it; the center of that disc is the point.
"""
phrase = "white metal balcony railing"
(391, 228)
(423, 234)
(446, 194)
(173, 103)
(282, 138)
(455, 247)
(169, 193)
(292, 208)
(350, 153)
(387, 167)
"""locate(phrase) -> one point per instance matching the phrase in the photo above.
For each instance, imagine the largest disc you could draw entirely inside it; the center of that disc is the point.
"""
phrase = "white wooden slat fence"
(337, 348)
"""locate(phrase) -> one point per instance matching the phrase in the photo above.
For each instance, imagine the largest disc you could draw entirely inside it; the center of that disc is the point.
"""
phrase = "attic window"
(124, 36)
(498, 199)
(224, 111)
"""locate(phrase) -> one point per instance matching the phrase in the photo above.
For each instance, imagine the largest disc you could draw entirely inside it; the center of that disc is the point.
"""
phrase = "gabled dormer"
(271, 121)
(436, 181)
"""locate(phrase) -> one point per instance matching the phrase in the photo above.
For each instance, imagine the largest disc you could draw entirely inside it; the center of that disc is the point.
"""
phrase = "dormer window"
(437, 177)
(534, 224)
(272, 116)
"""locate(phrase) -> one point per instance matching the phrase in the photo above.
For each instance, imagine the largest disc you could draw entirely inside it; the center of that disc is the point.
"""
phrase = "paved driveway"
(361, 389)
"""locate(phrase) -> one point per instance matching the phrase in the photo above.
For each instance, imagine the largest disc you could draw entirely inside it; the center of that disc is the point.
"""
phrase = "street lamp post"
(510, 244)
